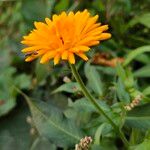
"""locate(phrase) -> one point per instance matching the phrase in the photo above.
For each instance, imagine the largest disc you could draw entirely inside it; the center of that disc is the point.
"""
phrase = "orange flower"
(63, 37)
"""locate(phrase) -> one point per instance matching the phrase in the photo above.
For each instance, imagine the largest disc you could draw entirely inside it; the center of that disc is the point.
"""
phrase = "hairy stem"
(96, 105)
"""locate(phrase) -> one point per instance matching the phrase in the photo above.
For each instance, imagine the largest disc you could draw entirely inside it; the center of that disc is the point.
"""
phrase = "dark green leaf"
(41, 72)
(23, 81)
(139, 117)
(62, 5)
(15, 131)
(30, 13)
(7, 92)
(42, 143)
(51, 123)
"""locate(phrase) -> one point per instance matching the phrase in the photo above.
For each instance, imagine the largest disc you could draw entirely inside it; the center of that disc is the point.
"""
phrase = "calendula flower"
(63, 37)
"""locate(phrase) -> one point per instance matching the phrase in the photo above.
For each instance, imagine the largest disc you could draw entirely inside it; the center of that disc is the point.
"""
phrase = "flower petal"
(56, 59)
(71, 58)
(65, 55)
(47, 56)
(83, 56)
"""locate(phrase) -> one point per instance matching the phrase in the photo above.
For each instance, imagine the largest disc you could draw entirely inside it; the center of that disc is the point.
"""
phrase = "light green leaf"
(143, 19)
(146, 91)
(94, 80)
(143, 72)
(143, 146)
(121, 72)
(70, 87)
(121, 92)
(135, 53)
(144, 58)
(98, 133)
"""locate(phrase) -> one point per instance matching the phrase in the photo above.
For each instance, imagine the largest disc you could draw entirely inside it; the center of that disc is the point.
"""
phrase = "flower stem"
(96, 105)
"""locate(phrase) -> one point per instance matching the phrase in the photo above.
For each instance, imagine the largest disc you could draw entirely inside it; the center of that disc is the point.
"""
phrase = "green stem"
(94, 102)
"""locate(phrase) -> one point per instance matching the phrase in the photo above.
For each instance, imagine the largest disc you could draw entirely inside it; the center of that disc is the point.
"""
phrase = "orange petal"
(65, 55)
(46, 57)
(29, 49)
(105, 36)
(83, 56)
(56, 59)
(30, 58)
(80, 48)
(48, 21)
(71, 58)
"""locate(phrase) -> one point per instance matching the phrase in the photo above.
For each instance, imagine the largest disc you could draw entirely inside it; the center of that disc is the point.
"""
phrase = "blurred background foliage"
(54, 89)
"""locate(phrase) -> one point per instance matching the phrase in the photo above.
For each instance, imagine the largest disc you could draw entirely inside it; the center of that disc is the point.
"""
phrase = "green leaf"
(121, 92)
(51, 124)
(143, 19)
(22, 81)
(7, 94)
(98, 133)
(42, 143)
(99, 5)
(105, 145)
(146, 91)
(143, 146)
(106, 70)
(30, 13)
(15, 131)
(70, 87)
(134, 53)
(84, 104)
(139, 117)
(81, 110)
(144, 58)
(41, 72)
(62, 5)
(94, 80)
(143, 72)
(121, 72)
(50, 4)
(7, 91)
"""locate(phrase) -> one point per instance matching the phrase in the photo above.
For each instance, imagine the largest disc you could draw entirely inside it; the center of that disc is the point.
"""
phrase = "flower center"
(62, 40)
